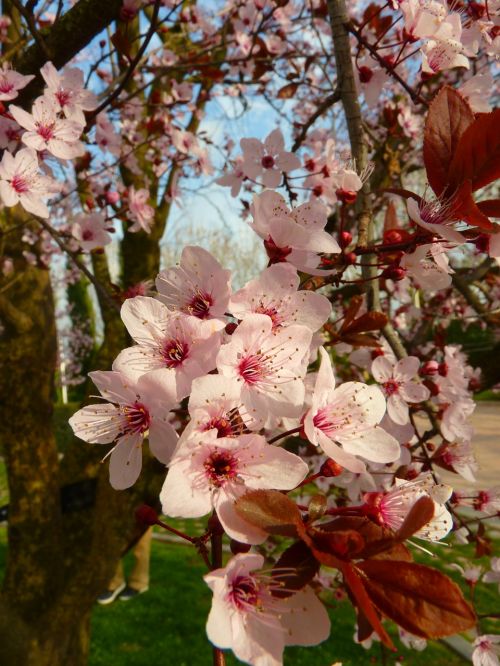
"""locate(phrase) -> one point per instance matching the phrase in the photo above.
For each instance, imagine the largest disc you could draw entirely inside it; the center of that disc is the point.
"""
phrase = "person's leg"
(139, 577)
(115, 586)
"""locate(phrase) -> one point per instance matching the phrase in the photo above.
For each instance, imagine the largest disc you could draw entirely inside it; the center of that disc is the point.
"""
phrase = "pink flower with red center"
(22, 183)
(215, 404)
(486, 650)
(139, 210)
(233, 179)
(268, 160)
(11, 83)
(488, 501)
(138, 411)
(199, 286)
(268, 366)
(209, 472)
(90, 231)
(460, 458)
(493, 576)
(46, 131)
(176, 343)
(296, 236)
(428, 265)
(445, 50)
(436, 217)
(422, 19)
(390, 509)
(251, 618)
(398, 386)
(67, 90)
(348, 416)
(274, 293)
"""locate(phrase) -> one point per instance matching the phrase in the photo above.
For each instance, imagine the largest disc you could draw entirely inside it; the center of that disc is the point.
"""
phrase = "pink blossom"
(269, 366)
(21, 182)
(454, 422)
(422, 19)
(256, 623)
(45, 131)
(486, 650)
(178, 343)
(11, 82)
(391, 508)
(445, 50)
(398, 387)
(138, 411)
(210, 472)
(296, 236)
(493, 576)
(267, 160)
(348, 415)
(274, 293)
(139, 210)
(233, 179)
(105, 135)
(422, 267)
(435, 217)
(9, 133)
(90, 231)
(199, 286)
(488, 501)
(459, 456)
(67, 90)
(477, 91)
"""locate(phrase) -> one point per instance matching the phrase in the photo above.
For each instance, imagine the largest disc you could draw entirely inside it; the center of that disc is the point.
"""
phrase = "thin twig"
(324, 106)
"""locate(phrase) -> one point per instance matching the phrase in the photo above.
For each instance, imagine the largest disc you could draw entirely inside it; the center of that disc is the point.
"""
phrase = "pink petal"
(381, 369)
(125, 462)
(397, 409)
(162, 440)
(406, 368)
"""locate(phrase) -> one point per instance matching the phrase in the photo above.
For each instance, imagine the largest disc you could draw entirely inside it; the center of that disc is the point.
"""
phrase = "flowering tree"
(306, 415)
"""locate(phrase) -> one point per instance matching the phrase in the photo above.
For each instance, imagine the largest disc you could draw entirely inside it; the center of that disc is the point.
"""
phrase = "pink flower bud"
(345, 238)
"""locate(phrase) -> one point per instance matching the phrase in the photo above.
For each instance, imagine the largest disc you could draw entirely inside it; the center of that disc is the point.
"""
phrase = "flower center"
(391, 387)
(63, 96)
(220, 466)
(87, 235)
(329, 422)
(137, 416)
(271, 312)
(175, 353)
(252, 369)
(222, 425)
(276, 254)
(267, 161)
(46, 132)
(245, 592)
(19, 184)
(199, 306)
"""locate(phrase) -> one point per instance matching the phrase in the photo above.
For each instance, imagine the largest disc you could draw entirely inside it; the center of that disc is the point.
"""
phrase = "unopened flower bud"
(395, 273)
(146, 515)
(112, 197)
(430, 368)
(365, 74)
(230, 328)
(393, 236)
(433, 387)
(345, 238)
(350, 258)
(346, 196)
(443, 369)
(330, 468)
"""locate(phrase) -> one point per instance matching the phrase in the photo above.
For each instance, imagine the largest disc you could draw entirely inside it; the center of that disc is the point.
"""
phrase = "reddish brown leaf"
(391, 220)
(360, 340)
(421, 513)
(477, 157)
(369, 321)
(379, 541)
(121, 43)
(270, 511)
(364, 603)
(344, 544)
(352, 310)
(422, 600)
(490, 207)
(448, 118)
(465, 208)
(305, 566)
(288, 91)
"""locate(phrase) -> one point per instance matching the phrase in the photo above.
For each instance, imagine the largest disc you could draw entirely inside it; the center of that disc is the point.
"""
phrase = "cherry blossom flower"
(90, 232)
(454, 422)
(398, 387)
(269, 366)
(488, 501)
(210, 472)
(46, 131)
(139, 210)
(459, 456)
(445, 50)
(267, 160)
(11, 82)
(68, 91)
(424, 269)
(295, 236)
(138, 411)
(22, 183)
(215, 404)
(422, 19)
(248, 616)
(105, 135)
(178, 343)
(486, 650)
(348, 415)
(390, 509)
(435, 217)
(9, 133)
(493, 576)
(233, 179)
(477, 90)
(274, 293)
(198, 286)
